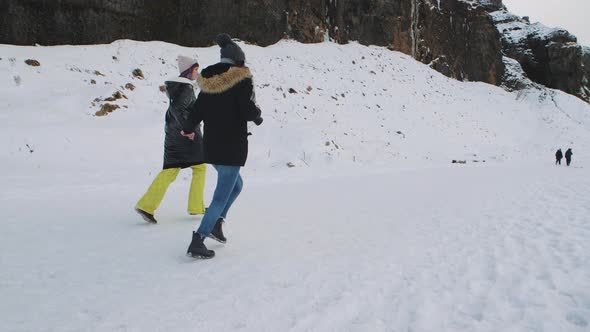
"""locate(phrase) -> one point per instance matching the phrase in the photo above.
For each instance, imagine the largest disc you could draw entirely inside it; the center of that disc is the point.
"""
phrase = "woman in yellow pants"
(179, 151)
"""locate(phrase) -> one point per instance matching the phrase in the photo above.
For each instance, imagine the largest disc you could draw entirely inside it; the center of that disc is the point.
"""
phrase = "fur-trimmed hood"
(219, 83)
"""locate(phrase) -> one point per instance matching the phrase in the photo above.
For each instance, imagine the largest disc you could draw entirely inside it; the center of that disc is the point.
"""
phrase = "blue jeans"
(229, 186)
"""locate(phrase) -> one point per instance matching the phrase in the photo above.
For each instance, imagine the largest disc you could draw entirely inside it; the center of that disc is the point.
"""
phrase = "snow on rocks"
(517, 29)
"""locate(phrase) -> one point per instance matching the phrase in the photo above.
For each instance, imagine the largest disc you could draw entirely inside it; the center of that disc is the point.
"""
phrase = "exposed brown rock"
(33, 63)
(138, 73)
(106, 109)
(116, 96)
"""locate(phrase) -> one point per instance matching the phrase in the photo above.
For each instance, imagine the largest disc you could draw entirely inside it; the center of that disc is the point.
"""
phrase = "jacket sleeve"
(181, 104)
(247, 102)
(194, 117)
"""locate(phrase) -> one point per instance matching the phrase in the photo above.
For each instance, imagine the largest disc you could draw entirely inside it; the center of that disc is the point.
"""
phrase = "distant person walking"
(568, 156)
(225, 104)
(558, 157)
(179, 152)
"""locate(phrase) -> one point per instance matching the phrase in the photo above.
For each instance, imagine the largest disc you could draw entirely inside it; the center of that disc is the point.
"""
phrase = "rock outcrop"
(455, 37)
(548, 56)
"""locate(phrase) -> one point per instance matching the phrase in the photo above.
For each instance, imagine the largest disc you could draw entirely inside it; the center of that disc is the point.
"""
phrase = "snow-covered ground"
(372, 229)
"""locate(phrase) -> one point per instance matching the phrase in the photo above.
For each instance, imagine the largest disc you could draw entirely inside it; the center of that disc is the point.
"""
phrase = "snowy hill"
(359, 98)
(353, 217)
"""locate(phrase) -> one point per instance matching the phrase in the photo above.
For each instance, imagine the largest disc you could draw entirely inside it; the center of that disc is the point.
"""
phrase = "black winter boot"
(217, 232)
(197, 248)
(146, 216)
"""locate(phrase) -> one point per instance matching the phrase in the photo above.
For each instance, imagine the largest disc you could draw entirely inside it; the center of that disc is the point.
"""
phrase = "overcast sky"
(572, 15)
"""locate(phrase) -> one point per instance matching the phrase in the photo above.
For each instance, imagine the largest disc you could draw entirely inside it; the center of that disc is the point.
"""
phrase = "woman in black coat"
(179, 152)
(225, 104)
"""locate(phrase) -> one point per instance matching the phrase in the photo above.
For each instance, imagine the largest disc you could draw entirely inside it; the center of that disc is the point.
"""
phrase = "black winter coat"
(225, 104)
(558, 154)
(179, 151)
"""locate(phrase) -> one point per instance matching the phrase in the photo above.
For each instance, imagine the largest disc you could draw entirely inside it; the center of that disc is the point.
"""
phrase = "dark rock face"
(455, 37)
(461, 37)
(548, 56)
(185, 22)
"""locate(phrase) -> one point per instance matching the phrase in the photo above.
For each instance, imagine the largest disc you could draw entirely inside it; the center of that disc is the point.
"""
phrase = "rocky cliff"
(548, 56)
(459, 38)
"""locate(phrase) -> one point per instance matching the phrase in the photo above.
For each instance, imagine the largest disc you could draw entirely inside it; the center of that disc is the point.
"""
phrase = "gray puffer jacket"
(179, 151)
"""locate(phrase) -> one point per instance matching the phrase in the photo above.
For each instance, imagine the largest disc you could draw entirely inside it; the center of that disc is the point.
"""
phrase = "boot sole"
(146, 218)
(216, 239)
(199, 256)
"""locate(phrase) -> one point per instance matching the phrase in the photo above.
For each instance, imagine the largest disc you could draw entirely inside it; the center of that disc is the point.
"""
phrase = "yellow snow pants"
(155, 193)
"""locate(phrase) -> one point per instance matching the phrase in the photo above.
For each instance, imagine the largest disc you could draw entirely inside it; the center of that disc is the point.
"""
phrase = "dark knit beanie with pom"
(230, 51)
